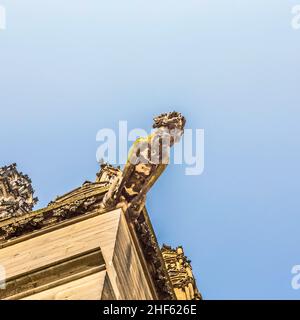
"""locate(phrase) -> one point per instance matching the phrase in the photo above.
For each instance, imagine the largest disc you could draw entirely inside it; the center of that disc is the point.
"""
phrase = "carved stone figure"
(16, 193)
(147, 160)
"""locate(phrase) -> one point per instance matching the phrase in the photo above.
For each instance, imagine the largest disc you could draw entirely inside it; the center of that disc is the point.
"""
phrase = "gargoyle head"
(171, 120)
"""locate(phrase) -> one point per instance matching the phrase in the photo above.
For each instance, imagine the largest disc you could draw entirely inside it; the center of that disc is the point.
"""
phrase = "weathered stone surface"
(59, 262)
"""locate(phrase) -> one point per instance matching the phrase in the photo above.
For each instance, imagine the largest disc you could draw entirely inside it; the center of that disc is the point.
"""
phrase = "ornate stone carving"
(76, 203)
(107, 173)
(180, 273)
(16, 193)
(154, 258)
(170, 120)
(113, 188)
(147, 160)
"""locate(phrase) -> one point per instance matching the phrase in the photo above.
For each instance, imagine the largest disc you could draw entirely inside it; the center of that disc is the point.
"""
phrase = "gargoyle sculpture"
(147, 159)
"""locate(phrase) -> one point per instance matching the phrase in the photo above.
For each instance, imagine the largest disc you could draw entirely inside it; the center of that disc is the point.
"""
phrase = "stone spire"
(107, 173)
(180, 273)
(16, 193)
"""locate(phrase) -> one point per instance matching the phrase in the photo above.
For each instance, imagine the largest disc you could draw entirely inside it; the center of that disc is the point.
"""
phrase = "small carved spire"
(16, 192)
(107, 173)
(180, 273)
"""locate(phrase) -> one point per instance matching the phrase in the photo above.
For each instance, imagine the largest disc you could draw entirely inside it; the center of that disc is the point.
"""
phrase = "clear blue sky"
(70, 68)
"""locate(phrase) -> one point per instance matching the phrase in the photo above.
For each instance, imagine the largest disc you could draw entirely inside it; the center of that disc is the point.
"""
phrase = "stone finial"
(16, 192)
(107, 173)
(180, 273)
